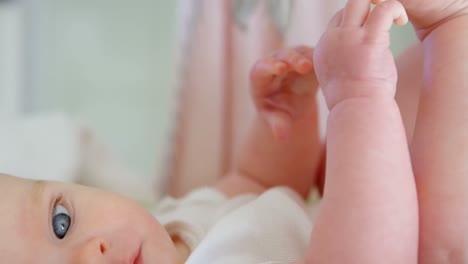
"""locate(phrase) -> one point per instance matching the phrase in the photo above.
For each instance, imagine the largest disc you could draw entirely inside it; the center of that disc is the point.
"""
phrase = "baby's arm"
(282, 147)
(409, 66)
(369, 211)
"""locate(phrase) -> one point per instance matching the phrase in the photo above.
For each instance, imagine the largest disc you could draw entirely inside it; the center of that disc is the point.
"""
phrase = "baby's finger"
(384, 14)
(336, 20)
(295, 60)
(355, 13)
(269, 66)
(263, 73)
(306, 51)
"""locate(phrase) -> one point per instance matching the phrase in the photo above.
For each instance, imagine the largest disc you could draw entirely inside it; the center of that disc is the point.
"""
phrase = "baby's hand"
(284, 87)
(353, 59)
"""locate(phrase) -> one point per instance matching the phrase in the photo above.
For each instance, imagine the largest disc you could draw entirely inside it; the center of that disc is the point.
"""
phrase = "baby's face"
(48, 222)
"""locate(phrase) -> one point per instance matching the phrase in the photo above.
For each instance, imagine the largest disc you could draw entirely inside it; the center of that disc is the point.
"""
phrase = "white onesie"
(272, 228)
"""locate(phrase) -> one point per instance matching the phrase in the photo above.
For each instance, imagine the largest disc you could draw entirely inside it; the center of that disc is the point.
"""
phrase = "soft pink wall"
(199, 136)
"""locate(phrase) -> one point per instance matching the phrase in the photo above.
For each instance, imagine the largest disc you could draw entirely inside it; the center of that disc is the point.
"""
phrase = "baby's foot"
(353, 59)
(284, 87)
(426, 15)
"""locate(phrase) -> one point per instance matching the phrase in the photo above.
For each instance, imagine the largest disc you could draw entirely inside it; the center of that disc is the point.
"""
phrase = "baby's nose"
(92, 251)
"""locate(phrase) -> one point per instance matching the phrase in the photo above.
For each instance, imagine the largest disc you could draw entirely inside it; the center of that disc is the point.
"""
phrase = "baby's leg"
(440, 144)
(369, 211)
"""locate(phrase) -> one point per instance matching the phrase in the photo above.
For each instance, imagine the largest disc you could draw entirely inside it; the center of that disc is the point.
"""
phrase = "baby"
(369, 212)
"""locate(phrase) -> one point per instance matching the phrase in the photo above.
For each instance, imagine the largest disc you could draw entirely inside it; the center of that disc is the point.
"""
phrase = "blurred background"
(107, 64)
(91, 88)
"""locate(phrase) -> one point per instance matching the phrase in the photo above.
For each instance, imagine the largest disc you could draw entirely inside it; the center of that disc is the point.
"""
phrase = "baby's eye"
(61, 221)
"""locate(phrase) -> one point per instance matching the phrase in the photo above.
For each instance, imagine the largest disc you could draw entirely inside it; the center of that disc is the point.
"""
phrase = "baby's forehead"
(16, 191)
(11, 178)
(15, 201)
(19, 216)
(10, 183)
(13, 189)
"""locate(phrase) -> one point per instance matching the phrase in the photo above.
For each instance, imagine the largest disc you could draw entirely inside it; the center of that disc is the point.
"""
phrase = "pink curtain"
(218, 46)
